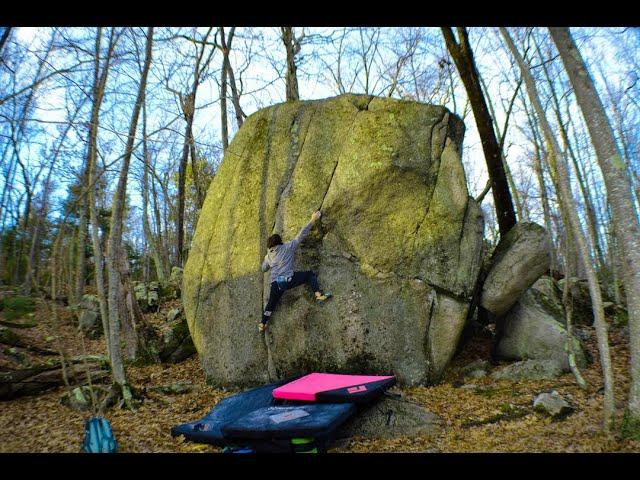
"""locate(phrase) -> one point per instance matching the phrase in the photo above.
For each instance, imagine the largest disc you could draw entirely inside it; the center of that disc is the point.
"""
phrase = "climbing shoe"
(323, 298)
(262, 327)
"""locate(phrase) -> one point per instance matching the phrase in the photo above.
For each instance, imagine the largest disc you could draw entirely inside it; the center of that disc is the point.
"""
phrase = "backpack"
(98, 436)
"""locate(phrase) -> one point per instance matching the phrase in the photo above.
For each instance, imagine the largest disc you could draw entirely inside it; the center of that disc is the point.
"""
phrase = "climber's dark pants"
(276, 292)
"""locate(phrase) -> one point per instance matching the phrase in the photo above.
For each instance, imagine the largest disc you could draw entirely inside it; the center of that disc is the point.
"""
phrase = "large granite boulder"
(399, 243)
(520, 258)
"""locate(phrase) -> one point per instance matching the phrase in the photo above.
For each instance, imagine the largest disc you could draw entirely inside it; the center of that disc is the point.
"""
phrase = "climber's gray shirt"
(280, 258)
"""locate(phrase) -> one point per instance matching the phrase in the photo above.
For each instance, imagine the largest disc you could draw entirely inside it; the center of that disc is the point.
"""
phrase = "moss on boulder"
(399, 243)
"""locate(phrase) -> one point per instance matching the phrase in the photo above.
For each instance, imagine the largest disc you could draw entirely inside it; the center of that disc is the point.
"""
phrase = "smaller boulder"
(79, 399)
(472, 387)
(176, 275)
(147, 295)
(175, 388)
(89, 319)
(177, 344)
(476, 369)
(520, 258)
(529, 370)
(153, 296)
(174, 314)
(583, 333)
(552, 404)
(533, 329)
(140, 292)
(171, 289)
(392, 417)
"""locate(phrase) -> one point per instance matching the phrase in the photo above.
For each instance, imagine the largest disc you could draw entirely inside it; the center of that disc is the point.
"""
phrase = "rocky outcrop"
(528, 370)
(520, 258)
(399, 243)
(534, 329)
(176, 343)
(89, 321)
(552, 404)
(147, 295)
(391, 418)
(173, 314)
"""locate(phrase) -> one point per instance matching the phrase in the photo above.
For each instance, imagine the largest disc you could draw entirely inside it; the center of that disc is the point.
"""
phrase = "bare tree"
(115, 236)
(625, 219)
(292, 47)
(592, 223)
(188, 107)
(463, 58)
(154, 241)
(3, 39)
(559, 162)
(101, 73)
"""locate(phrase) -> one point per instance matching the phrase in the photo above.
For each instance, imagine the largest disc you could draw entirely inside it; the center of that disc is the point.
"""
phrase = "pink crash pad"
(307, 387)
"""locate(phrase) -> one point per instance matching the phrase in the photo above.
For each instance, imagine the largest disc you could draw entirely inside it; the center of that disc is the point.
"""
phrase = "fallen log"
(18, 325)
(11, 338)
(37, 380)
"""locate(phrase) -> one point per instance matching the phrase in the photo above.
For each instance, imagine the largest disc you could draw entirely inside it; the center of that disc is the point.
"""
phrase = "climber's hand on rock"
(316, 216)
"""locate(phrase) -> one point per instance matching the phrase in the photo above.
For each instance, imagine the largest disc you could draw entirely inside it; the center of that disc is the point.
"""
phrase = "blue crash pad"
(280, 422)
(208, 428)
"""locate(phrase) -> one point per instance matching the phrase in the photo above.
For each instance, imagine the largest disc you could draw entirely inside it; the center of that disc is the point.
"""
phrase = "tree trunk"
(463, 58)
(592, 223)
(235, 95)
(81, 241)
(292, 47)
(100, 80)
(115, 236)
(141, 339)
(151, 239)
(568, 309)
(544, 198)
(162, 247)
(559, 164)
(4, 38)
(224, 122)
(182, 178)
(625, 219)
(30, 280)
(223, 94)
(188, 105)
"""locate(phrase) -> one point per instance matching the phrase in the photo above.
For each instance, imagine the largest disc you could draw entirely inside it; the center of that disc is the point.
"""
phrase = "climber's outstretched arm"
(306, 229)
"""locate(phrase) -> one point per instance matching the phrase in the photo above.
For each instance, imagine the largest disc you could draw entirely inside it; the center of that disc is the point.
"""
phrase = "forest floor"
(497, 416)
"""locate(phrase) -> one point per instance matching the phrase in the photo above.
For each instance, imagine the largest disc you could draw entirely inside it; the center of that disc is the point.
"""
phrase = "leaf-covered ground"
(496, 416)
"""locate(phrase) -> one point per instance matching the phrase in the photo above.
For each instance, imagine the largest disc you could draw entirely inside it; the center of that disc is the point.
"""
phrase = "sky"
(266, 79)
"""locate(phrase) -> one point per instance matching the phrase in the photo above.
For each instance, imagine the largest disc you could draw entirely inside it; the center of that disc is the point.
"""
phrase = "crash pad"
(207, 429)
(334, 388)
(318, 420)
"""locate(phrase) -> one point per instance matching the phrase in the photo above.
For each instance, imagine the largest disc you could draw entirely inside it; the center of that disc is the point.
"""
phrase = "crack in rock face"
(399, 243)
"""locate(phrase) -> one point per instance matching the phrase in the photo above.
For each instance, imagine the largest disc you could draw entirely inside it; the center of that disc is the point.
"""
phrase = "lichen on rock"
(399, 243)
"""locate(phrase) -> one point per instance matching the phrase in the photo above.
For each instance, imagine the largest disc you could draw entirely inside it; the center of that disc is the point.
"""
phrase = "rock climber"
(280, 259)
